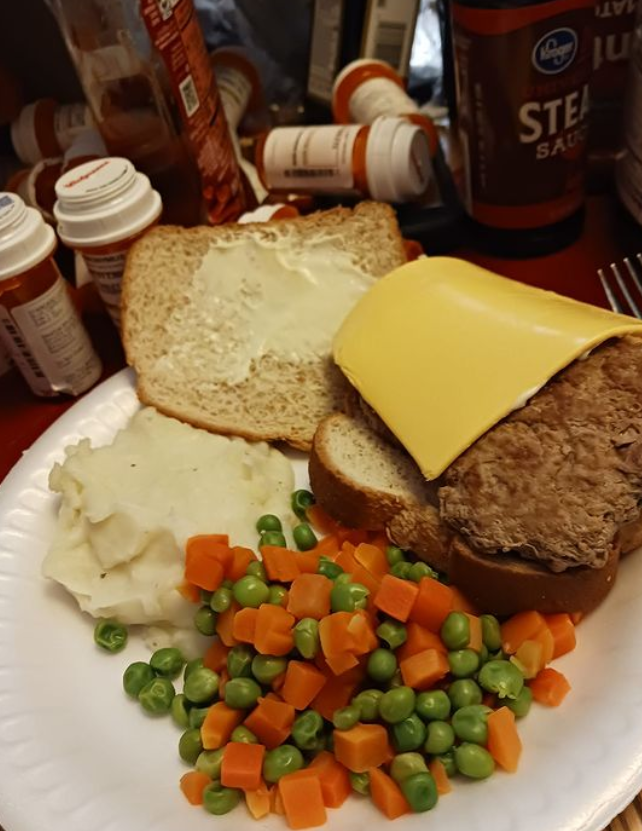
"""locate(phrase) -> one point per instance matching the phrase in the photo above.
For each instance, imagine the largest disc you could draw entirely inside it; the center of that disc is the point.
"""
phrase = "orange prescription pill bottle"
(264, 213)
(366, 89)
(103, 207)
(39, 324)
(388, 161)
(45, 129)
(238, 83)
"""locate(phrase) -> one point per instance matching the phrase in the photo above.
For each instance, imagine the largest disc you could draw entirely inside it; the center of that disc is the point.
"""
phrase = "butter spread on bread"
(463, 348)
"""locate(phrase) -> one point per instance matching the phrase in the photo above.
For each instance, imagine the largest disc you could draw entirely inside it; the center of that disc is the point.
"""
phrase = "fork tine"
(635, 274)
(614, 303)
(625, 290)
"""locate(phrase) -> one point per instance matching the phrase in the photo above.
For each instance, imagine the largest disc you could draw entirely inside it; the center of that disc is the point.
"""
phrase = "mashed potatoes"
(128, 508)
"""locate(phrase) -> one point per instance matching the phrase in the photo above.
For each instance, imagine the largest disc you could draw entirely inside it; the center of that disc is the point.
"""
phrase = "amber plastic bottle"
(39, 325)
(523, 70)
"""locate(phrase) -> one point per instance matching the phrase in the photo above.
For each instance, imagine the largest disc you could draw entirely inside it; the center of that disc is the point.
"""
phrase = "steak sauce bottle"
(522, 78)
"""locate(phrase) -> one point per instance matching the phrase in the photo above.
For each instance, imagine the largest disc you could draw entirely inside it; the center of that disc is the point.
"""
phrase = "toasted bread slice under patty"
(363, 481)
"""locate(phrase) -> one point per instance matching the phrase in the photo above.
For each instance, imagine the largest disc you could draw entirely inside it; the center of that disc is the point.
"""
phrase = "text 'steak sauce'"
(523, 71)
(39, 324)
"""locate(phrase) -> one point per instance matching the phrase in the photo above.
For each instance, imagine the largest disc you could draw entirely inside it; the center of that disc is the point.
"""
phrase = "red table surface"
(607, 237)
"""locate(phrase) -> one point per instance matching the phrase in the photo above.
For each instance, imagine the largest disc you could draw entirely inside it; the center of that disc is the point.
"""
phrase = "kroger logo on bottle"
(555, 51)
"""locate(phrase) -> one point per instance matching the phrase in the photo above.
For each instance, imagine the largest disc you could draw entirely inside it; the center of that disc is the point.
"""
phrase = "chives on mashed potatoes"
(334, 673)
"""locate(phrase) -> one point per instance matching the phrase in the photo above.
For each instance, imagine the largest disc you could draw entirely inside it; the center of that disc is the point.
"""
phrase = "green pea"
(219, 800)
(206, 596)
(395, 681)
(348, 597)
(268, 522)
(448, 761)
(190, 745)
(474, 761)
(239, 661)
(306, 637)
(502, 678)
(273, 538)
(283, 759)
(306, 729)
(522, 704)
(329, 569)
(210, 761)
(265, 668)
(304, 537)
(179, 711)
(257, 569)
(277, 596)
(221, 600)
(433, 705)
(469, 723)
(345, 718)
(343, 579)
(360, 782)
(201, 686)
(136, 676)
(396, 705)
(401, 570)
(243, 735)
(455, 630)
(156, 696)
(484, 655)
(381, 665)
(395, 555)
(241, 693)
(190, 666)
(421, 792)
(110, 635)
(408, 734)
(407, 764)
(420, 570)
(464, 691)
(368, 703)
(393, 633)
(197, 716)
(250, 592)
(463, 662)
(205, 621)
(440, 737)
(301, 501)
(491, 632)
(167, 661)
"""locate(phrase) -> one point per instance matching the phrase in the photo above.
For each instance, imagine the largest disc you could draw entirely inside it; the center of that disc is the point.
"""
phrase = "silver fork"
(625, 277)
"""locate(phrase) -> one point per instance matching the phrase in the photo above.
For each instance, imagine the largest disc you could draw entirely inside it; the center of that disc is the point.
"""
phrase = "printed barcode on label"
(389, 41)
(310, 174)
(189, 96)
(16, 337)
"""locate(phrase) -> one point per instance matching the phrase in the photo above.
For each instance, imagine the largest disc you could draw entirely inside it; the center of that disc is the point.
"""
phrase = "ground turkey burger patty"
(557, 479)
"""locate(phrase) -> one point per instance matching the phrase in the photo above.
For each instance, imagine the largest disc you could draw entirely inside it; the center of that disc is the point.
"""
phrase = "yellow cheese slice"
(443, 350)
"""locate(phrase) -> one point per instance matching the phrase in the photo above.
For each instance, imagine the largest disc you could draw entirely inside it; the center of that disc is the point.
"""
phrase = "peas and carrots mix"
(342, 667)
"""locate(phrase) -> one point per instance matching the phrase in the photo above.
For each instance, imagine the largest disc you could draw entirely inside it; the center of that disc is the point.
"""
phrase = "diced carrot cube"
(303, 682)
(362, 747)
(396, 597)
(432, 605)
(423, 670)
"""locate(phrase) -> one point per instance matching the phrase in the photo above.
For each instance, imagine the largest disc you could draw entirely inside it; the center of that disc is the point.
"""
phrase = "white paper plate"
(77, 755)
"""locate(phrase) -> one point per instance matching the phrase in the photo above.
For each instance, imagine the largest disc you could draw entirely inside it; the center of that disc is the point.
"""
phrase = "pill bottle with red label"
(45, 129)
(103, 207)
(149, 82)
(39, 324)
(367, 89)
(388, 161)
(523, 72)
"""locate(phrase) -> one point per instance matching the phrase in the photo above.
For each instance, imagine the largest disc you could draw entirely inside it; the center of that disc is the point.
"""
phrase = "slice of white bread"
(181, 356)
(363, 481)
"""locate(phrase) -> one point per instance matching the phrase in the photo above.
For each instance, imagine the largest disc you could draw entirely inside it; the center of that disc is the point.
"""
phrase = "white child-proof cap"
(398, 166)
(25, 238)
(104, 201)
(23, 135)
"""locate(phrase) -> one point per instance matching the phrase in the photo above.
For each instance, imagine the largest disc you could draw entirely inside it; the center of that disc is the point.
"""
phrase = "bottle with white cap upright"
(103, 207)
(39, 324)
(388, 160)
